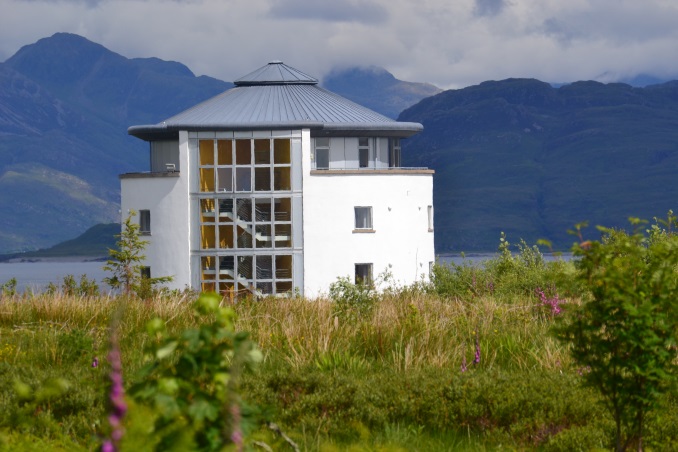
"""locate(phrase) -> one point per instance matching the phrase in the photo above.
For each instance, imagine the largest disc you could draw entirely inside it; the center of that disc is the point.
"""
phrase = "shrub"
(193, 377)
(352, 300)
(625, 334)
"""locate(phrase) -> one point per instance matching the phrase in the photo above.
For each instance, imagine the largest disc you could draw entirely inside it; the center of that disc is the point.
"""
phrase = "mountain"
(65, 106)
(516, 155)
(94, 243)
(523, 157)
(377, 89)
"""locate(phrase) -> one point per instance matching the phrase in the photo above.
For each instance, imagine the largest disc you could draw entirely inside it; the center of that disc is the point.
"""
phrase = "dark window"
(145, 221)
(363, 152)
(394, 153)
(363, 274)
(145, 272)
(322, 153)
(363, 217)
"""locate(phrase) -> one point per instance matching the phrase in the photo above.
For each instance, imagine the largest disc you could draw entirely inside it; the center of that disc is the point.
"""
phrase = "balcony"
(371, 171)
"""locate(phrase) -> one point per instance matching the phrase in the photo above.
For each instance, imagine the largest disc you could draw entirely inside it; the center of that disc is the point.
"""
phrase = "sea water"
(37, 275)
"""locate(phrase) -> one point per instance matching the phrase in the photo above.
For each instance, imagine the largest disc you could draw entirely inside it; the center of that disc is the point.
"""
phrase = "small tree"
(624, 334)
(126, 261)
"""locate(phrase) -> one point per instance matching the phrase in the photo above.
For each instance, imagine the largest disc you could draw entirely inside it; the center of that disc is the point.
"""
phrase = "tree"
(126, 262)
(624, 333)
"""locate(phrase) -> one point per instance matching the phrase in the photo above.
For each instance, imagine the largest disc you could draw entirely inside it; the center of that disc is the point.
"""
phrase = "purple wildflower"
(463, 360)
(116, 397)
(95, 362)
(236, 433)
(553, 303)
(476, 359)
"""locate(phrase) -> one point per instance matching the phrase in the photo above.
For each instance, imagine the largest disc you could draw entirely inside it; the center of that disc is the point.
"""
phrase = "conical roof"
(274, 97)
(276, 73)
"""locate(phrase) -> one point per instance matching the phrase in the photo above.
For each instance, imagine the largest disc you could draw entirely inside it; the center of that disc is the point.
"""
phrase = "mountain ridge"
(516, 155)
(521, 157)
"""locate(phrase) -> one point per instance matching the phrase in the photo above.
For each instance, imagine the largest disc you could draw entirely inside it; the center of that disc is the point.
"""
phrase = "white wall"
(168, 251)
(401, 242)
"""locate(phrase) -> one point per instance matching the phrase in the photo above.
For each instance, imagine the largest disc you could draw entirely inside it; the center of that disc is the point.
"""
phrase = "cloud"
(362, 11)
(488, 7)
(448, 43)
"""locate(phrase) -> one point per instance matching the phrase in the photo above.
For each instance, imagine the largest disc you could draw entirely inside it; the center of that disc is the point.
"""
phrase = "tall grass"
(335, 375)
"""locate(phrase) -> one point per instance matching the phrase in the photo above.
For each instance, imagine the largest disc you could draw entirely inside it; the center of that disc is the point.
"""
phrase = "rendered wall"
(166, 196)
(401, 243)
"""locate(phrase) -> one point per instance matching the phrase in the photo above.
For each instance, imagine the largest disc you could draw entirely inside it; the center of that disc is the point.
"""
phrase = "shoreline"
(30, 260)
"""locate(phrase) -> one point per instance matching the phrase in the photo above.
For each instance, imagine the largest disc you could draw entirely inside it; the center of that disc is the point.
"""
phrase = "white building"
(279, 186)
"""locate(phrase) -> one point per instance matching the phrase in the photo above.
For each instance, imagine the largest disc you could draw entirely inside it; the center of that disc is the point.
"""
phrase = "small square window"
(145, 272)
(145, 222)
(363, 274)
(363, 217)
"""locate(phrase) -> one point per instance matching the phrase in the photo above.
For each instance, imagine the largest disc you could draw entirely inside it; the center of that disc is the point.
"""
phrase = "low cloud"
(449, 43)
(488, 7)
(361, 11)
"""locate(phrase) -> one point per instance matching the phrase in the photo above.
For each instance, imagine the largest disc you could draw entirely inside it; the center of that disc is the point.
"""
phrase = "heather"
(466, 362)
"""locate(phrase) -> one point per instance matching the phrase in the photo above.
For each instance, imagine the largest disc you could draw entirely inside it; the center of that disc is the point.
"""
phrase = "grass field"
(468, 363)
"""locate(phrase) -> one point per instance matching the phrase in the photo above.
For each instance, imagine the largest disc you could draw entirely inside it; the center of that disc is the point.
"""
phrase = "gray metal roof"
(278, 96)
(275, 73)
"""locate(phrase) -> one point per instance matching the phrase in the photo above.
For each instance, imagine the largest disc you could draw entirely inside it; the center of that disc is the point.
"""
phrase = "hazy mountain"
(517, 155)
(378, 89)
(65, 106)
(523, 157)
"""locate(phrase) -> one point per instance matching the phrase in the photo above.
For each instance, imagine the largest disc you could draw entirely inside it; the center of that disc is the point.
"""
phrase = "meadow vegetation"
(475, 359)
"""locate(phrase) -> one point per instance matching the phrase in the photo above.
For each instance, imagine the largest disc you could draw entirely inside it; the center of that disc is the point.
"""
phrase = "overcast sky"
(450, 43)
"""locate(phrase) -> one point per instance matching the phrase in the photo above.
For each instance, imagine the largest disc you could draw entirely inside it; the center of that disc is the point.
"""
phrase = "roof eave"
(389, 129)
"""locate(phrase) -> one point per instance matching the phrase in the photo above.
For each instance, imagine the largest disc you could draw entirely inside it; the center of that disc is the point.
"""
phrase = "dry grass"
(403, 331)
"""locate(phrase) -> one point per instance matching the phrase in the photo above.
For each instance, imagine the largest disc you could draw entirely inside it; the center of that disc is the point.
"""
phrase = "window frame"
(395, 153)
(359, 279)
(430, 215)
(318, 148)
(144, 222)
(369, 227)
(364, 153)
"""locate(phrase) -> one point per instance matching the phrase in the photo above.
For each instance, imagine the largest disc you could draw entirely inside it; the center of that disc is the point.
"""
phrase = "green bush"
(508, 275)
(625, 333)
(352, 300)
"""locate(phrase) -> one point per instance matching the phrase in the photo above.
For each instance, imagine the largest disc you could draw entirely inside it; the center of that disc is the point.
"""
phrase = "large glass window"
(262, 274)
(245, 220)
(245, 165)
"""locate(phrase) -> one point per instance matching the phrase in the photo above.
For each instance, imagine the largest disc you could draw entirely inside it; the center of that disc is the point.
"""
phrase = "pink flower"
(476, 358)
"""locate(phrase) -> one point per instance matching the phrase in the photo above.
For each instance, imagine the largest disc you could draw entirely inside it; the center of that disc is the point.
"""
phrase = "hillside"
(531, 160)
(65, 106)
(93, 243)
(378, 89)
